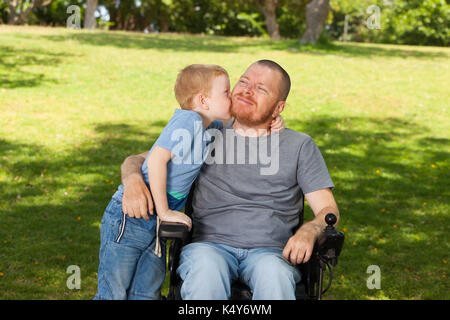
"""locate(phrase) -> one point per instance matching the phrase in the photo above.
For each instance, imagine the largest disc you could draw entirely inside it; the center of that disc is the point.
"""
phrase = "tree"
(414, 22)
(20, 9)
(268, 9)
(130, 15)
(89, 19)
(316, 15)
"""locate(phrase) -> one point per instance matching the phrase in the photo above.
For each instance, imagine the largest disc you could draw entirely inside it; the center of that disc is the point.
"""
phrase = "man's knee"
(205, 273)
(201, 257)
(274, 267)
(274, 278)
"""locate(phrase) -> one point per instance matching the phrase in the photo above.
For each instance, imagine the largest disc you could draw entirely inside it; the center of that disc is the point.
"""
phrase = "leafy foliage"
(55, 14)
(422, 22)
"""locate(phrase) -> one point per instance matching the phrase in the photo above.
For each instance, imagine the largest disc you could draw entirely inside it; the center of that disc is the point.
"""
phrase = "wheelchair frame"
(325, 256)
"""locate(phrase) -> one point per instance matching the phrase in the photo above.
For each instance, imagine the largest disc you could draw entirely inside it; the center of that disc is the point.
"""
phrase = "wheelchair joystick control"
(330, 219)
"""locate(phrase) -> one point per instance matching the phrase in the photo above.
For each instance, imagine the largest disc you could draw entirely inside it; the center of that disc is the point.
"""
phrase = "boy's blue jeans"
(208, 269)
(129, 269)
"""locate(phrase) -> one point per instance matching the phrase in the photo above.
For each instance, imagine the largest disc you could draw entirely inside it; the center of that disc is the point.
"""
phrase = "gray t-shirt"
(249, 192)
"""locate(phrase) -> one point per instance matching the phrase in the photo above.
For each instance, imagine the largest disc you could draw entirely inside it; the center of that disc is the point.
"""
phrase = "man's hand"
(137, 200)
(136, 196)
(300, 246)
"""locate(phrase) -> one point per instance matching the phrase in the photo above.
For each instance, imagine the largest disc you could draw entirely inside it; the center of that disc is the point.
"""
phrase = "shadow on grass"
(392, 200)
(13, 63)
(59, 226)
(373, 50)
(189, 42)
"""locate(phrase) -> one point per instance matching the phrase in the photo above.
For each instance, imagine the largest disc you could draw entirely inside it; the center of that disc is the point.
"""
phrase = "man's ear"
(279, 108)
(200, 101)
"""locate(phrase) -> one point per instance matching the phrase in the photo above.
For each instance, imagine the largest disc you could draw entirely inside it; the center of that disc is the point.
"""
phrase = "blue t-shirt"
(186, 137)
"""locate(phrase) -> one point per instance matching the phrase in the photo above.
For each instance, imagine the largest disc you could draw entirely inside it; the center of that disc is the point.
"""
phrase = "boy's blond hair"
(194, 79)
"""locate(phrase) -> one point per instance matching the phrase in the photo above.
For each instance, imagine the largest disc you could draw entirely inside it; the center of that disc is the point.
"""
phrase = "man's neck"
(251, 131)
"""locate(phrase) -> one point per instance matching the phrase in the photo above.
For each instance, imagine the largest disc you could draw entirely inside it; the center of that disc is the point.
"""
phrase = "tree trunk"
(89, 18)
(164, 22)
(268, 9)
(345, 28)
(316, 15)
(12, 17)
(16, 13)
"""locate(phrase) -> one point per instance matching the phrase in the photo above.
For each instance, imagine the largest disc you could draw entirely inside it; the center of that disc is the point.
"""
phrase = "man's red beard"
(248, 115)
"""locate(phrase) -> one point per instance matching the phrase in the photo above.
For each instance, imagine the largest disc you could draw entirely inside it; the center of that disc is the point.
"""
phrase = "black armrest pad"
(329, 245)
(173, 230)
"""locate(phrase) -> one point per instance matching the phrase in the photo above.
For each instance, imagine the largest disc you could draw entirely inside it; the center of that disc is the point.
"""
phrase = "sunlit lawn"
(74, 104)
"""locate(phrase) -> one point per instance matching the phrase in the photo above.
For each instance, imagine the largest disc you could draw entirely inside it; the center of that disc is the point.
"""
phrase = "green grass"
(74, 104)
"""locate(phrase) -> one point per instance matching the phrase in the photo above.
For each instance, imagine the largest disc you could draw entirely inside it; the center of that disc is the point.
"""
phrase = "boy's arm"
(137, 200)
(277, 124)
(157, 176)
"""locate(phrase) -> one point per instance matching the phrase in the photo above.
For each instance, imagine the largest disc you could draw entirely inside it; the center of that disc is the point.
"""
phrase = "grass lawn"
(74, 104)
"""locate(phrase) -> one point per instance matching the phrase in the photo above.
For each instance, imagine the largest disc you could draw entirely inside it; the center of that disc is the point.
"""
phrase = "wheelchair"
(325, 256)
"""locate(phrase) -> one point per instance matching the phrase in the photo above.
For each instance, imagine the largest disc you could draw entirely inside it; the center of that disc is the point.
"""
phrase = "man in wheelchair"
(247, 207)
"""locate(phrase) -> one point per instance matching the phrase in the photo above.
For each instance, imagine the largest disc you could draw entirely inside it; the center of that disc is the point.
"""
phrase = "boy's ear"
(200, 101)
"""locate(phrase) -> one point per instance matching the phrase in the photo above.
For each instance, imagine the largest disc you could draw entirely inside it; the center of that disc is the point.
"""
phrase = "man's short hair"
(285, 85)
(194, 79)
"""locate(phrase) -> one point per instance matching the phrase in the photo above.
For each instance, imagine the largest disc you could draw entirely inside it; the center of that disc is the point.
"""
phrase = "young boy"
(132, 263)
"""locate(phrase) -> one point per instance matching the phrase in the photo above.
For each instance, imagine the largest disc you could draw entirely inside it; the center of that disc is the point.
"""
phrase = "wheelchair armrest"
(173, 230)
(329, 244)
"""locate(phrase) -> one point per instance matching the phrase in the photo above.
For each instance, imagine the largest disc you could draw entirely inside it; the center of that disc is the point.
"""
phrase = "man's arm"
(300, 246)
(137, 200)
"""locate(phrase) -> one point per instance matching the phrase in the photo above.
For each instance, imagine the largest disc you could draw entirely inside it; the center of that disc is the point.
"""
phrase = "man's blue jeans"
(208, 269)
(128, 269)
